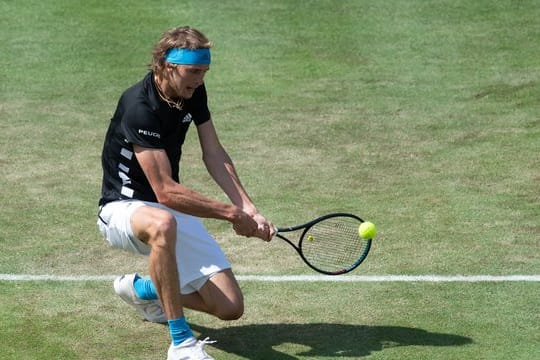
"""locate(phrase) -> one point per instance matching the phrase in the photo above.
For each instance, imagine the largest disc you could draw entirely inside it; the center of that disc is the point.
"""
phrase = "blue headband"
(181, 56)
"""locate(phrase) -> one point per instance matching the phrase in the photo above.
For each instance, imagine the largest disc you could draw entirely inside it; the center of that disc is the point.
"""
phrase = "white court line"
(304, 278)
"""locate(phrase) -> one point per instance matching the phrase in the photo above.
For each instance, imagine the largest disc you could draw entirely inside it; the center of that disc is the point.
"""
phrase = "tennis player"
(145, 209)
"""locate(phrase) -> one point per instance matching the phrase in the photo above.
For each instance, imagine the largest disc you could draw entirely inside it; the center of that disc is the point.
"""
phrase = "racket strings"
(333, 244)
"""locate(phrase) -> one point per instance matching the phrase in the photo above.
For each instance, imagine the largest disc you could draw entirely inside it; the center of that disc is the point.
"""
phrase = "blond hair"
(180, 37)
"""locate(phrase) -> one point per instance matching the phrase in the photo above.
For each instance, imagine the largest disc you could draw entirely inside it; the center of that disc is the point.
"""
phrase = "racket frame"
(306, 228)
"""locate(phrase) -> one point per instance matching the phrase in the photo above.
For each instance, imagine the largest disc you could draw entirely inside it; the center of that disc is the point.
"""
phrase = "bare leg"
(220, 296)
(157, 228)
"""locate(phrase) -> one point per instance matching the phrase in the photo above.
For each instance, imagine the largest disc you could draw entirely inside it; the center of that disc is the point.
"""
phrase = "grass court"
(421, 116)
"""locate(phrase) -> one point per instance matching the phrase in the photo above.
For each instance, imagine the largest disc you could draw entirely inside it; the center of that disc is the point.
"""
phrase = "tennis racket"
(329, 244)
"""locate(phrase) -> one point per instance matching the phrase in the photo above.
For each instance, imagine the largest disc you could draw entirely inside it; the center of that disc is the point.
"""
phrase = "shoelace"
(207, 341)
(200, 345)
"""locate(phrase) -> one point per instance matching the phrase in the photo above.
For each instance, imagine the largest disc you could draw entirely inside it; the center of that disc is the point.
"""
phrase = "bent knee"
(231, 311)
(157, 228)
(163, 226)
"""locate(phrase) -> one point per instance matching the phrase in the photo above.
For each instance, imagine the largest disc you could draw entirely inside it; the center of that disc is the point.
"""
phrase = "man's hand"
(265, 229)
(244, 224)
(256, 225)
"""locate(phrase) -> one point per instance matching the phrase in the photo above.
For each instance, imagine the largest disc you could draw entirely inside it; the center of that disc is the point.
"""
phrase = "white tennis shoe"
(151, 310)
(191, 349)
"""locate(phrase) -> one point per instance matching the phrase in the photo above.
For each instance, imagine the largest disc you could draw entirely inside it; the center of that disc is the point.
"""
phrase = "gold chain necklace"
(172, 104)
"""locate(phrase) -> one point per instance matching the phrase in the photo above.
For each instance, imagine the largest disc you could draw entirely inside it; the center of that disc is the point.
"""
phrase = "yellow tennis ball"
(367, 230)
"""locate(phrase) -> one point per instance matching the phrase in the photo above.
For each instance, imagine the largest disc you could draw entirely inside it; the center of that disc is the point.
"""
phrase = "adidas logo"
(186, 118)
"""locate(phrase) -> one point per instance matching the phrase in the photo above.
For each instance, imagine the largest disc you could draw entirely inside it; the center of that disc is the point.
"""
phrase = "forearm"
(222, 170)
(183, 199)
(224, 173)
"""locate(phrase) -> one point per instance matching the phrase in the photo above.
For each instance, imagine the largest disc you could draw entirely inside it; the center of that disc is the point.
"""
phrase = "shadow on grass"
(322, 340)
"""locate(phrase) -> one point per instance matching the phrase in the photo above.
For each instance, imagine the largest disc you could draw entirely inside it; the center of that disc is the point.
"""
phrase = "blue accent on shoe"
(179, 330)
(144, 288)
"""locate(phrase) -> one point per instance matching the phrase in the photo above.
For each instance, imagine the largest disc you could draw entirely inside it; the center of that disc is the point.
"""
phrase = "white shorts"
(198, 255)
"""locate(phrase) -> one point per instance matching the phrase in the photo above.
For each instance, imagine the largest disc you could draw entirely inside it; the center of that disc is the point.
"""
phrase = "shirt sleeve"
(142, 127)
(199, 109)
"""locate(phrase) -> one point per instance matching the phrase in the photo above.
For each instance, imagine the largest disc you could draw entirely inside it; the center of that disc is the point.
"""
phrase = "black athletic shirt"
(142, 118)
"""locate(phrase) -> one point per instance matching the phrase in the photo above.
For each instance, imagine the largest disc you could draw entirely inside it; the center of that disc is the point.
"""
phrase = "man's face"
(185, 79)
